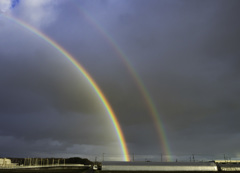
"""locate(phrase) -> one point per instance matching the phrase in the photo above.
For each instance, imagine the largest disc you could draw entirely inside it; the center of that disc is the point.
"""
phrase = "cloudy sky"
(186, 53)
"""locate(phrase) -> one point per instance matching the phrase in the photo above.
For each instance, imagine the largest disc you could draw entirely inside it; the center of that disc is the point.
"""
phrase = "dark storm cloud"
(186, 53)
(43, 100)
(45, 77)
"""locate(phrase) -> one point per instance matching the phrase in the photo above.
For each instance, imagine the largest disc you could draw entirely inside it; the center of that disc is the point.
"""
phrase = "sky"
(185, 53)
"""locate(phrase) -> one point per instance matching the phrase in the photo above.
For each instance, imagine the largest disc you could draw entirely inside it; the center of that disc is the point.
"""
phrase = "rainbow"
(87, 76)
(158, 123)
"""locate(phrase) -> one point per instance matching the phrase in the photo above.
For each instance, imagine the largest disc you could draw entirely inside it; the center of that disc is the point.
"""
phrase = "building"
(159, 166)
(228, 165)
(5, 162)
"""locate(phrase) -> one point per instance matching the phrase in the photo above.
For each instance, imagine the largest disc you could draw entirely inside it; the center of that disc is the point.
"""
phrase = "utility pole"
(193, 158)
(103, 157)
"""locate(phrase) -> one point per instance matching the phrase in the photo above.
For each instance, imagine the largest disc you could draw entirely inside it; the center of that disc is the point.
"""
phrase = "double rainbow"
(158, 123)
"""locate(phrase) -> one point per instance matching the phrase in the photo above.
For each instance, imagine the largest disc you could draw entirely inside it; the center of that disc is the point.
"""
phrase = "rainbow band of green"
(147, 98)
(96, 88)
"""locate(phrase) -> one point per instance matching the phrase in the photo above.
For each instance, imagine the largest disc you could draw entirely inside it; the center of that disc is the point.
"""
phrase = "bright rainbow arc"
(147, 98)
(96, 88)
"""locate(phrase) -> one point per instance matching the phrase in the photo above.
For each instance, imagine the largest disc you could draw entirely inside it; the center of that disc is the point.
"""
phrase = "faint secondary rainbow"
(146, 95)
(87, 76)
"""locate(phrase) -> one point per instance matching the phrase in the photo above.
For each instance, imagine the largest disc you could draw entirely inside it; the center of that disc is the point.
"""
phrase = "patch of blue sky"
(14, 3)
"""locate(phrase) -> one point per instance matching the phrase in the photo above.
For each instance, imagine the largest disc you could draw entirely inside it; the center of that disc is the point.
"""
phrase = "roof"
(158, 163)
(227, 161)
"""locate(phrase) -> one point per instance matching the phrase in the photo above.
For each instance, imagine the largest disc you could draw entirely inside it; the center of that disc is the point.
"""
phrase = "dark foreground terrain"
(89, 170)
(167, 171)
(42, 170)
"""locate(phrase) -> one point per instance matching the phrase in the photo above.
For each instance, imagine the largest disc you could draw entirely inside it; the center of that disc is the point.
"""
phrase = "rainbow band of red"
(158, 123)
(88, 77)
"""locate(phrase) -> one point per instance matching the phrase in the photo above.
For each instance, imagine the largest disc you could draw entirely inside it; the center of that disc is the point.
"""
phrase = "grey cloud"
(186, 53)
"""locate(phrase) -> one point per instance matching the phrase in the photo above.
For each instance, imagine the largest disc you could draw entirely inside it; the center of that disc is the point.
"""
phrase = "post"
(95, 159)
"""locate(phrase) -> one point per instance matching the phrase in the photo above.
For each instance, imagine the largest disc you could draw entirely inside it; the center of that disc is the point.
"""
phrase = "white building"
(5, 162)
(159, 166)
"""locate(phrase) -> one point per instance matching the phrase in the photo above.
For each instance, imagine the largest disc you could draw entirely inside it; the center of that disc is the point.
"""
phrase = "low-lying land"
(78, 165)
